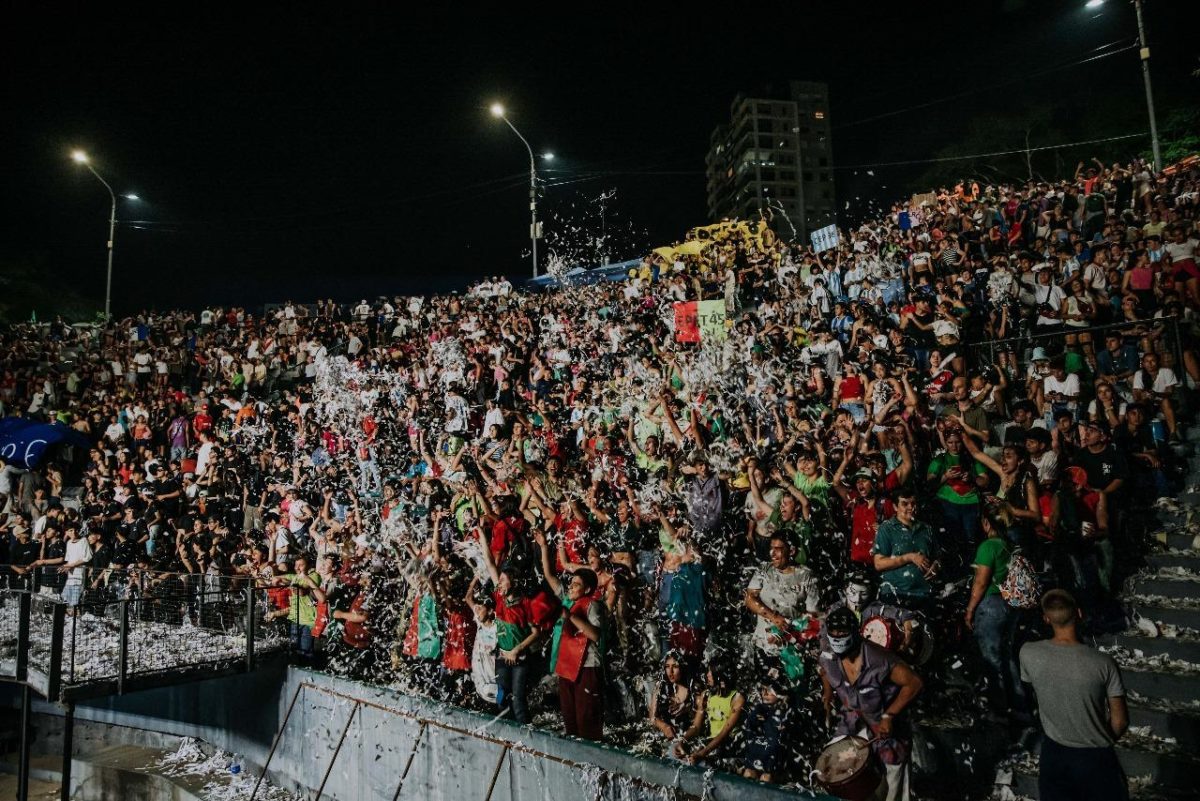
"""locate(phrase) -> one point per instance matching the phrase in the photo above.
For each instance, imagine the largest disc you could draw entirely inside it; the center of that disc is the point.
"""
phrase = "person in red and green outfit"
(516, 633)
(955, 476)
(577, 647)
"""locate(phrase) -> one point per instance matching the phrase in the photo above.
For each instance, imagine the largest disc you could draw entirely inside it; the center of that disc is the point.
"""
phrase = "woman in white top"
(1078, 311)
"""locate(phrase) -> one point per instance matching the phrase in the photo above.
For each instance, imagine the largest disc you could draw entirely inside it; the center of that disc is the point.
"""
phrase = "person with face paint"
(873, 688)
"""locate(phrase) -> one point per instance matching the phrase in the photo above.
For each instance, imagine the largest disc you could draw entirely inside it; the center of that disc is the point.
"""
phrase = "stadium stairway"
(1159, 653)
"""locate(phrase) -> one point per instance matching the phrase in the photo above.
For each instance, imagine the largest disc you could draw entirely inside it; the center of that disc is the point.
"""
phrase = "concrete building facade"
(775, 153)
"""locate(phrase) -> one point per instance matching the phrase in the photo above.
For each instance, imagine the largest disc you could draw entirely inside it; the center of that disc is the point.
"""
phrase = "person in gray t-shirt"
(1081, 704)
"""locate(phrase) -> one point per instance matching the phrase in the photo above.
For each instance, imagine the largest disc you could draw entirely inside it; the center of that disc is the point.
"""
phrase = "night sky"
(288, 155)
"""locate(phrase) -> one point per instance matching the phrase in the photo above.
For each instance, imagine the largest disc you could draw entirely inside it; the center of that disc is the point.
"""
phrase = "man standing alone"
(1081, 703)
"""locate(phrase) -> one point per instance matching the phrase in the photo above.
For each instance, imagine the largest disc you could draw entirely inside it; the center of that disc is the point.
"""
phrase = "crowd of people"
(548, 506)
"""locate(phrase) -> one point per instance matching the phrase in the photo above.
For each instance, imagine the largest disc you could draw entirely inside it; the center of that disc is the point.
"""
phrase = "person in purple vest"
(873, 688)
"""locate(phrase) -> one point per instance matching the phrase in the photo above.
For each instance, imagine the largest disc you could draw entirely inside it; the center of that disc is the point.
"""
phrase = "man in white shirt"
(1154, 386)
(1059, 389)
(204, 452)
(778, 594)
(79, 553)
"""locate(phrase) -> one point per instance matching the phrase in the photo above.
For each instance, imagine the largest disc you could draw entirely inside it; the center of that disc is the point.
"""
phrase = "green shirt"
(816, 488)
(993, 553)
(958, 490)
(302, 608)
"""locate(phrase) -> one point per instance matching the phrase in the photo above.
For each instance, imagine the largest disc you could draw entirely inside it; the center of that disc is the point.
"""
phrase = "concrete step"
(1145, 786)
(1179, 725)
(1187, 560)
(1162, 685)
(1178, 541)
(1165, 768)
(1173, 517)
(1181, 648)
(1168, 586)
(1171, 615)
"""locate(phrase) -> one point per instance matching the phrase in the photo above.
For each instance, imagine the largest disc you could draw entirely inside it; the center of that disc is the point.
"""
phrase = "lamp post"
(498, 112)
(1144, 52)
(82, 158)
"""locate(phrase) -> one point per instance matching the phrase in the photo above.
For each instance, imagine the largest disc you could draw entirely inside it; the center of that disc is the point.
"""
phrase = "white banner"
(824, 238)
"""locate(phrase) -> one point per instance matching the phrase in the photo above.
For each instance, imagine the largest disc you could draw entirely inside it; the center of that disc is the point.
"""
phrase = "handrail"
(1173, 319)
(52, 656)
(1172, 323)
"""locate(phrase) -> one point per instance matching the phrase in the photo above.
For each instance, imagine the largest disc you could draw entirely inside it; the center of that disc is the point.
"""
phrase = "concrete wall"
(455, 755)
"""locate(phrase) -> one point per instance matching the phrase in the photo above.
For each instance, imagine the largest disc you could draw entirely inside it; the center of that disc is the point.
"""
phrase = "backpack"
(1021, 588)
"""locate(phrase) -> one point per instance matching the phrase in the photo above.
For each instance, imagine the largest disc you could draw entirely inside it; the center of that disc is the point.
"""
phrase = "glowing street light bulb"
(131, 196)
(79, 156)
(548, 156)
(1094, 3)
(497, 110)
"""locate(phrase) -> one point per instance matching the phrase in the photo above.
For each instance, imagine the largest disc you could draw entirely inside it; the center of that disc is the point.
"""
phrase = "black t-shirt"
(923, 337)
(23, 553)
(1102, 468)
(128, 553)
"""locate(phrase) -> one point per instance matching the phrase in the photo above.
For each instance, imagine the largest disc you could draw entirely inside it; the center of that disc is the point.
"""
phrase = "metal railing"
(106, 634)
(1168, 330)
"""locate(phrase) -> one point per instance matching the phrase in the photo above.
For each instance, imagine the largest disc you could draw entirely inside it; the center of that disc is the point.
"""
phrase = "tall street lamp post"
(82, 158)
(498, 112)
(1144, 52)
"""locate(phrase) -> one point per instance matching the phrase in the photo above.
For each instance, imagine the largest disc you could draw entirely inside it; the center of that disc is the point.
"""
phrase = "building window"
(826, 194)
(820, 115)
(823, 162)
(787, 175)
(808, 176)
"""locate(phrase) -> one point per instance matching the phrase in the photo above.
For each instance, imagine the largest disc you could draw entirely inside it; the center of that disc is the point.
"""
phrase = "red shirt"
(458, 640)
(865, 517)
(504, 533)
(545, 610)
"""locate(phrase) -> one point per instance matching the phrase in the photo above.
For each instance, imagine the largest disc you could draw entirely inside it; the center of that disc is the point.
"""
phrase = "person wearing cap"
(865, 506)
(873, 688)
(1081, 706)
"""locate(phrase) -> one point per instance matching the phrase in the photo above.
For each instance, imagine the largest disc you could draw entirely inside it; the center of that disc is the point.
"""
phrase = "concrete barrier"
(354, 742)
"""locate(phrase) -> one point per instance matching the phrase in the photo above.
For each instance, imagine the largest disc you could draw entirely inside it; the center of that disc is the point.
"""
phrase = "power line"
(993, 86)
(989, 155)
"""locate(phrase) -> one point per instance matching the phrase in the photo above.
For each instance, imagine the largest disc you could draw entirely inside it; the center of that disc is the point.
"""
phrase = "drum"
(922, 644)
(847, 768)
(882, 631)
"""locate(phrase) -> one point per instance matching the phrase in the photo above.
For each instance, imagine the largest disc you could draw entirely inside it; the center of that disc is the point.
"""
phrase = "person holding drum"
(873, 688)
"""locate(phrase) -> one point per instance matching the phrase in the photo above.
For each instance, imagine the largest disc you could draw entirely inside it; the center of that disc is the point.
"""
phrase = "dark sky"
(284, 154)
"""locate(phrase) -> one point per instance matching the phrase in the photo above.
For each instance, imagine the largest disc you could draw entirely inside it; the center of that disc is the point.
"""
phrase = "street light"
(1144, 52)
(548, 157)
(80, 157)
(498, 111)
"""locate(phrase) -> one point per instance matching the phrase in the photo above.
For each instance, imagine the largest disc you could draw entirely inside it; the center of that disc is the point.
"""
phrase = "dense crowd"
(492, 496)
